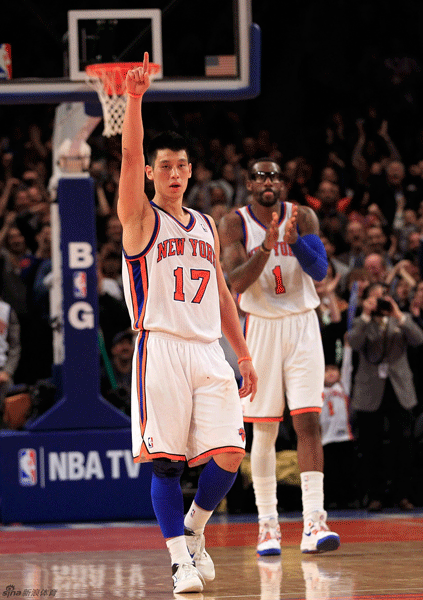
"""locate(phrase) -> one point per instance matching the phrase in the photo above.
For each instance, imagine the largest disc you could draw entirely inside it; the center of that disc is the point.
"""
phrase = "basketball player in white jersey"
(271, 254)
(185, 401)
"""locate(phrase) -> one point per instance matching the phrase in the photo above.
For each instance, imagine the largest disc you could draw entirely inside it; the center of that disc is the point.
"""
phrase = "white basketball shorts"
(185, 401)
(288, 356)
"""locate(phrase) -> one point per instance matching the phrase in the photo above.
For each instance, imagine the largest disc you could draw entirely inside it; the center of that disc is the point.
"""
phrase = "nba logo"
(5, 61)
(27, 466)
(150, 442)
(80, 284)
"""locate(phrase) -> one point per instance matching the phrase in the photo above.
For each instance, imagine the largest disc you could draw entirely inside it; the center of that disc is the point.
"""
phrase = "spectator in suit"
(384, 391)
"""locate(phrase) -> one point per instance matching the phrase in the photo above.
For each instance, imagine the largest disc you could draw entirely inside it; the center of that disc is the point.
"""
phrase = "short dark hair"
(167, 140)
(254, 161)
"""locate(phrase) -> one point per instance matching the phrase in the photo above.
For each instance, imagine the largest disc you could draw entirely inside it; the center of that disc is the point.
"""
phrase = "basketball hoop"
(109, 81)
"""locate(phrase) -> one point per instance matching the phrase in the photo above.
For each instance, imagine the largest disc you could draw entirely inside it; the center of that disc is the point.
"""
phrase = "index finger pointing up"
(146, 63)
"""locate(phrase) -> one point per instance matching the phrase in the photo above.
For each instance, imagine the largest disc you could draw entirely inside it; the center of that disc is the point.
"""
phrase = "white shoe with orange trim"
(317, 536)
(269, 539)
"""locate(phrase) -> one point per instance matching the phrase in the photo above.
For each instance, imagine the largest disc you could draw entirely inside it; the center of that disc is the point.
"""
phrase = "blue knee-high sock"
(168, 504)
(213, 485)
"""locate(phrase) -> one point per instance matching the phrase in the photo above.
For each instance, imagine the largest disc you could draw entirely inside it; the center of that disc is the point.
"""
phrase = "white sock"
(265, 493)
(312, 492)
(196, 518)
(263, 469)
(178, 550)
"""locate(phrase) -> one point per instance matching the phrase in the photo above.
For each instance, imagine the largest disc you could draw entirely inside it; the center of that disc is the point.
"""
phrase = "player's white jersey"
(334, 417)
(283, 287)
(172, 285)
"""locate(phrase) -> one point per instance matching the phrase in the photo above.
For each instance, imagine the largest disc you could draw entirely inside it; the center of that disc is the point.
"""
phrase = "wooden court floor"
(381, 557)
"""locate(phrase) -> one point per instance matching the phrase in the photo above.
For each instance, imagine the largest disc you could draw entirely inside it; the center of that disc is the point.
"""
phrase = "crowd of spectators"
(367, 195)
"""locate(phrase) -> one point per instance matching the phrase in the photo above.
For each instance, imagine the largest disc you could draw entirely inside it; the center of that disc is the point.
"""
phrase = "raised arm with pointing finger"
(185, 400)
(134, 209)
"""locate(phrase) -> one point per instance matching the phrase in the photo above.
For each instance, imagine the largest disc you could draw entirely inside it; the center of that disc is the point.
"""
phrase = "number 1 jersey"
(283, 288)
(171, 286)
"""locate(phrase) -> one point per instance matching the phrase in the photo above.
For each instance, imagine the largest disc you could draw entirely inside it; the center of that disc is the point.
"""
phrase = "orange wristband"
(134, 95)
(240, 360)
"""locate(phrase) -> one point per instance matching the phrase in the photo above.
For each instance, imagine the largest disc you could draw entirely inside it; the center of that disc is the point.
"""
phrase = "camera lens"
(383, 306)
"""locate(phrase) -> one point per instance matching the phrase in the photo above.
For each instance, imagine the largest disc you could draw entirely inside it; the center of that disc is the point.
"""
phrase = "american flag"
(218, 66)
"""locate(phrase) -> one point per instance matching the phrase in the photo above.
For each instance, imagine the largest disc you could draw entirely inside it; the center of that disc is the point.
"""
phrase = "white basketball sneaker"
(196, 547)
(269, 539)
(186, 578)
(317, 536)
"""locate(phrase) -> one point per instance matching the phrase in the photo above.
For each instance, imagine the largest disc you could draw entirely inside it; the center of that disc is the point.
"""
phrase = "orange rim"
(101, 69)
(113, 74)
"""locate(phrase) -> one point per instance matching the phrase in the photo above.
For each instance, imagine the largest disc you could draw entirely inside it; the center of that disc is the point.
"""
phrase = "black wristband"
(264, 249)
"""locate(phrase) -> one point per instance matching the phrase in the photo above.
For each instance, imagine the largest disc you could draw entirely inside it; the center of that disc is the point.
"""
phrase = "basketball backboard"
(111, 36)
(209, 50)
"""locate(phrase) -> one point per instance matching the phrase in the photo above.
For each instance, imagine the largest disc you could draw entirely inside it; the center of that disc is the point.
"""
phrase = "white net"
(113, 105)
(109, 81)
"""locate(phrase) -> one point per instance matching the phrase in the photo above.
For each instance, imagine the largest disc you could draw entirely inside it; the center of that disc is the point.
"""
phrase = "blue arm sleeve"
(311, 254)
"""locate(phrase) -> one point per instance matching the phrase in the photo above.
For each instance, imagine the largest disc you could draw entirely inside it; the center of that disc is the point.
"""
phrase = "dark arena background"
(332, 91)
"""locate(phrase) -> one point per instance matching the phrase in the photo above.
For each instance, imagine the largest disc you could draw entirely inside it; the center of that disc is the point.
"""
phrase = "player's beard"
(270, 201)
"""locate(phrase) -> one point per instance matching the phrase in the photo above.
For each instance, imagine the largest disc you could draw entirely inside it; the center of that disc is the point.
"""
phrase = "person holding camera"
(384, 392)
